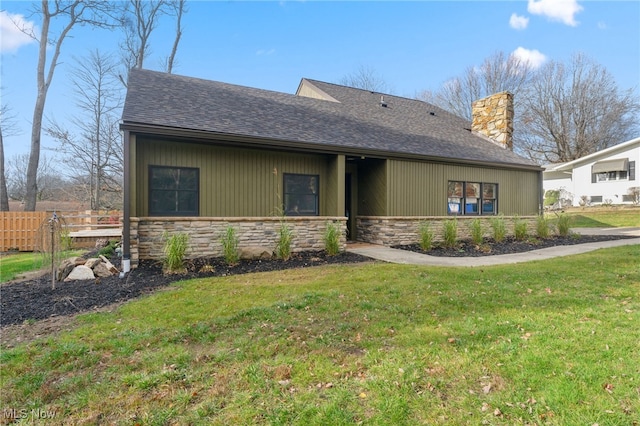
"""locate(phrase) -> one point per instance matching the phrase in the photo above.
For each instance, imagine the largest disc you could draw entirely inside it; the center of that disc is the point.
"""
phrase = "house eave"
(570, 165)
(249, 141)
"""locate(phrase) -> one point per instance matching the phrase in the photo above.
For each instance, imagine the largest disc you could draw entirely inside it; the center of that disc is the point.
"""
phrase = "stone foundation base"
(205, 234)
(401, 230)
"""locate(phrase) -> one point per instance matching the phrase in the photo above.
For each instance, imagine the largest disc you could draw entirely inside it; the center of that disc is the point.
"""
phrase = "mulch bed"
(34, 299)
(508, 246)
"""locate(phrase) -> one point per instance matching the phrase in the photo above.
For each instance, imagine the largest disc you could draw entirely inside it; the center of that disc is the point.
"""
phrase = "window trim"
(185, 213)
(290, 212)
(612, 176)
(461, 207)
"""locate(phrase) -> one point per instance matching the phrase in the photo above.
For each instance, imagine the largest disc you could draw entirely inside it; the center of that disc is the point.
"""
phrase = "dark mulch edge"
(510, 245)
(34, 299)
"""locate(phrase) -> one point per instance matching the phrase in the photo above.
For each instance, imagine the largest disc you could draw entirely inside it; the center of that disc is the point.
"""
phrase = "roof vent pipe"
(382, 102)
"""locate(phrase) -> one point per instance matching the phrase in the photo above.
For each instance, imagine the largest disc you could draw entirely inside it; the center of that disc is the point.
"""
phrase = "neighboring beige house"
(609, 176)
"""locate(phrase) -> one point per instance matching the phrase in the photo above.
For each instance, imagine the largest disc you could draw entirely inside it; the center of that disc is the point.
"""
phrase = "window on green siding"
(173, 191)
(301, 195)
(472, 198)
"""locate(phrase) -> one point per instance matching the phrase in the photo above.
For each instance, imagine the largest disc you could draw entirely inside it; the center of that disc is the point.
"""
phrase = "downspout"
(126, 209)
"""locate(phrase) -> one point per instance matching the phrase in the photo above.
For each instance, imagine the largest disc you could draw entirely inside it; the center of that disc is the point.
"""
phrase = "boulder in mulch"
(255, 253)
(81, 272)
(77, 268)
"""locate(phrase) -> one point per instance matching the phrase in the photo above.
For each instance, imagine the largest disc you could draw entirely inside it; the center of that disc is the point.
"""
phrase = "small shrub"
(230, 246)
(499, 229)
(174, 249)
(65, 240)
(332, 238)
(426, 236)
(110, 249)
(477, 233)
(564, 224)
(285, 237)
(450, 233)
(519, 229)
(551, 197)
(542, 227)
(107, 251)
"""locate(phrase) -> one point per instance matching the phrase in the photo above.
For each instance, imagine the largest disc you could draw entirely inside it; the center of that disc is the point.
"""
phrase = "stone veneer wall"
(401, 230)
(205, 233)
(493, 117)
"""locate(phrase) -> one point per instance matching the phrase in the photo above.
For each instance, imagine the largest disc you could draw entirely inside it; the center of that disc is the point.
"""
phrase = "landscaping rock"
(92, 262)
(102, 270)
(255, 253)
(101, 242)
(81, 273)
(65, 268)
(109, 265)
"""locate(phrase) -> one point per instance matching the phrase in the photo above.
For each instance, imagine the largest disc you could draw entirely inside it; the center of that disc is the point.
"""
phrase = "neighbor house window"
(472, 198)
(301, 195)
(173, 191)
(613, 170)
(613, 176)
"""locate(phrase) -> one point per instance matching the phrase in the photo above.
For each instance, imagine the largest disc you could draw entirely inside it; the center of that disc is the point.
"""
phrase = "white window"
(613, 176)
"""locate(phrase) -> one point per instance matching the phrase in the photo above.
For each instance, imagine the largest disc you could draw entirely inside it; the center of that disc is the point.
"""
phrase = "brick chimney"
(493, 117)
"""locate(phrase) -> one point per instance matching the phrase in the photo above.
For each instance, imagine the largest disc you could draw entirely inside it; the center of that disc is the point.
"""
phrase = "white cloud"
(556, 10)
(533, 57)
(602, 25)
(265, 52)
(518, 22)
(11, 38)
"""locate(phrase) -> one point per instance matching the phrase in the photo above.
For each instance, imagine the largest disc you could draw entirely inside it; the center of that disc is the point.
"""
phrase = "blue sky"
(413, 46)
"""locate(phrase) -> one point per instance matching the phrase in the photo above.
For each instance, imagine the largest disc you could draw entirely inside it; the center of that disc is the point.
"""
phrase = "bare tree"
(572, 110)
(497, 73)
(8, 127)
(96, 150)
(69, 14)
(142, 17)
(366, 78)
(4, 197)
(48, 178)
(179, 9)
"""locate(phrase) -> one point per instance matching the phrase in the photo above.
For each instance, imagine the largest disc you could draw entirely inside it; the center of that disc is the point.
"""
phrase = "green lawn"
(605, 217)
(15, 264)
(12, 265)
(538, 343)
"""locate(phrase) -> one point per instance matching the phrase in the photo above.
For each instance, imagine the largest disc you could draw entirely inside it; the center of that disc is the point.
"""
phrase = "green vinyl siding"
(372, 187)
(233, 181)
(420, 188)
(335, 185)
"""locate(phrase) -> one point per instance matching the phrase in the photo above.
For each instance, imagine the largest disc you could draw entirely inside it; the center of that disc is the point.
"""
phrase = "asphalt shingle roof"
(356, 123)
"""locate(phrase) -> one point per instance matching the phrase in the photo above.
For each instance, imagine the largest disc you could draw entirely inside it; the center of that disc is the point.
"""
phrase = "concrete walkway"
(391, 255)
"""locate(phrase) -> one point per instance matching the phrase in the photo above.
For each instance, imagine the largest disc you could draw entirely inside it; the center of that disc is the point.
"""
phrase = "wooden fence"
(19, 230)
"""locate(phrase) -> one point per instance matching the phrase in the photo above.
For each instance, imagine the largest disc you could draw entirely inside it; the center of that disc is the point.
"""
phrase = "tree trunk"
(38, 111)
(4, 197)
(179, 10)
